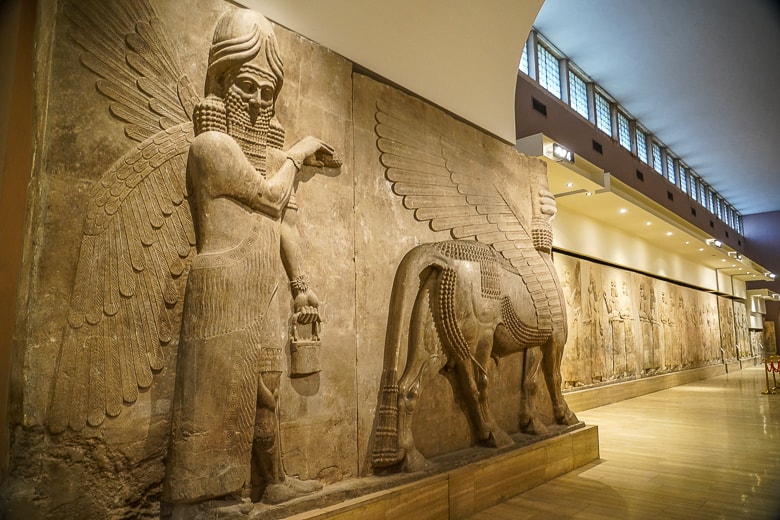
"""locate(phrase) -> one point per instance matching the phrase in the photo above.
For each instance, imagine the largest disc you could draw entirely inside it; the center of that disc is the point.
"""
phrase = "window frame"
(619, 114)
(598, 94)
(543, 50)
(635, 138)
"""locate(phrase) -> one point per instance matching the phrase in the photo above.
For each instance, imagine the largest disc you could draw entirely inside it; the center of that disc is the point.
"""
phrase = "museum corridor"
(709, 449)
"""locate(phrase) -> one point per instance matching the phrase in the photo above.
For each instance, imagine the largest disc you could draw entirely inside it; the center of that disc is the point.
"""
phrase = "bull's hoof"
(533, 426)
(498, 438)
(416, 462)
(567, 418)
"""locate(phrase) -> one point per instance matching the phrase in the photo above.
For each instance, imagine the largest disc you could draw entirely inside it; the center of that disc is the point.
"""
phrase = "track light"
(714, 242)
(735, 255)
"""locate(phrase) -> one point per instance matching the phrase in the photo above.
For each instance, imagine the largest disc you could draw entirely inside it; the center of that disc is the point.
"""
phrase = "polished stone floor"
(708, 450)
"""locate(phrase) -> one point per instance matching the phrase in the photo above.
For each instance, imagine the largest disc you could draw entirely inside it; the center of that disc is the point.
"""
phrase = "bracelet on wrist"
(296, 162)
(300, 283)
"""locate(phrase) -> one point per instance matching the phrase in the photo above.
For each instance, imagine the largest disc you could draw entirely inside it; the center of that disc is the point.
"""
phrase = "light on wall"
(559, 152)
(735, 255)
(714, 242)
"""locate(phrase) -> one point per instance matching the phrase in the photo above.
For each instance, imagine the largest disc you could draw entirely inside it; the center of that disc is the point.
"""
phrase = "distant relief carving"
(492, 293)
(741, 331)
(633, 325)
(224, 184)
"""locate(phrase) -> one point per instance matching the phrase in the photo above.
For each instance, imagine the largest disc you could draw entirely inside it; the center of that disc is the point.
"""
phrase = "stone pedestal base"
(467, 489)
(581, 400)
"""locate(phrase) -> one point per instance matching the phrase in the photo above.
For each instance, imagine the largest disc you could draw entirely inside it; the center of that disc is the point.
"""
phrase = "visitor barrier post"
(769, 366)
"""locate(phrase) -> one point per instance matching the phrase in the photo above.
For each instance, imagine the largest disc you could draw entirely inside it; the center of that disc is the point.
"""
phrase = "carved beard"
(251, 136)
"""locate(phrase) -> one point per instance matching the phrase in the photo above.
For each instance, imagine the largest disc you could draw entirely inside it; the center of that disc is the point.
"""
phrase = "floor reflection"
(704, 450)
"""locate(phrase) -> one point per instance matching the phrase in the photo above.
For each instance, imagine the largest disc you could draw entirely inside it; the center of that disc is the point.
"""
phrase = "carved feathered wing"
(126, 47)
(447, 188)
(443, 186)
(138, 235)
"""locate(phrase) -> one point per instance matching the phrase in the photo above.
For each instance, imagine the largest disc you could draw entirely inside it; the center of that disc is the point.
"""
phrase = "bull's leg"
(529, 388)
(504, 344)
(552, 354)
(474, 384)
(421, 365)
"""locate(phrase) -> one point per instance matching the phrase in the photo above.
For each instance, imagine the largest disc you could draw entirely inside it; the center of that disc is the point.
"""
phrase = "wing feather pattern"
(125, 305)
(445, 187)
(126, 46)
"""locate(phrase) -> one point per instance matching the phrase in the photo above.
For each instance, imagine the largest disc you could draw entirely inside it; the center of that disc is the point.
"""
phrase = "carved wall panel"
(121, 84)
(741, 331)
(430, 183)
(625, 325)
(576, 366)
(757, 343)
(728, 339)
(216, 229)
(770, 337)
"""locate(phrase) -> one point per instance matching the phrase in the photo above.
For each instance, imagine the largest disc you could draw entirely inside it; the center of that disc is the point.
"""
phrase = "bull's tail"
(386, 451)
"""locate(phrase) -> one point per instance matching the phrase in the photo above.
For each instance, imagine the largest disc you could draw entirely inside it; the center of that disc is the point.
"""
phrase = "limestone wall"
(625, 325)
(109, 459)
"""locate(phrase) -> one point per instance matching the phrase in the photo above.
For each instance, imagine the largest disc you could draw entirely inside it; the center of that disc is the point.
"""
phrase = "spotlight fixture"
(714, 242)
(770, 275)
(735, 255)
(559, 152)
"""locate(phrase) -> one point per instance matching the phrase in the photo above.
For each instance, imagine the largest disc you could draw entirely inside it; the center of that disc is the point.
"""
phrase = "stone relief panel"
(445, 181)
(576, 365)
(770, 337)
(728, 338)
(490, 294)
(161, 233)
(757, 343)
(741, 330)
(626, 325)
(210, 292)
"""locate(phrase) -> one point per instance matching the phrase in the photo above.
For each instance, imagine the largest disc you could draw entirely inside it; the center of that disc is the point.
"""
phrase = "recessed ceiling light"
(623, 211)
(701, 249)
(687, 242)
(569, 184)
(589, 193)
(722, 259)
(668, 233)
(648, 223)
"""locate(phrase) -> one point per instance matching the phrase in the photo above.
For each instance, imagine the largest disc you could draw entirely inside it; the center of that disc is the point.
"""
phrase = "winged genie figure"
(179, 238)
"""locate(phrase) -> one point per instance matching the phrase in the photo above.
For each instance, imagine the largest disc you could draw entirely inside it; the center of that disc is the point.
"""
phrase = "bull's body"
(481, 308)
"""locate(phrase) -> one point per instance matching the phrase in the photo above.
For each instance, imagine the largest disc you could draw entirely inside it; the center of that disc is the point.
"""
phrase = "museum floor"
(709, 449)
